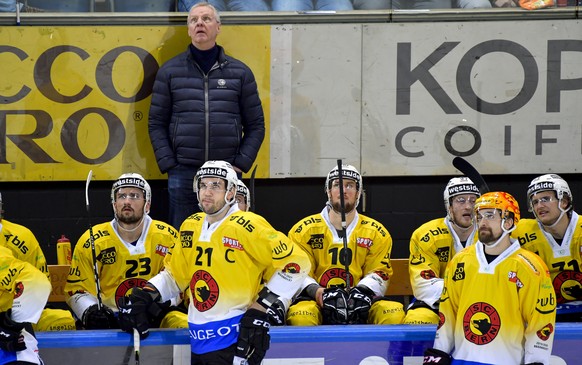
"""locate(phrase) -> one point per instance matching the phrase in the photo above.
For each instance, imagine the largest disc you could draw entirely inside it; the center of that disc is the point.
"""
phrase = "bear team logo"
(481, 323)
(125, 288)
(545, 333)
(335, 277)
(204, 290)
(568, 286)
(18, 290)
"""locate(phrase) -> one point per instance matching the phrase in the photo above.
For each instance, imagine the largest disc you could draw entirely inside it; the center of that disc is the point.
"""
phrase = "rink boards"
(354, 344)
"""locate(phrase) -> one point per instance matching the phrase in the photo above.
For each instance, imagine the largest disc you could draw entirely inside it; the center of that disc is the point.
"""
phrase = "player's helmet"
(220, 169)
(348, 172)
(241, 189)
(549, 182)
(501, 201)
(458, 186)
(132, 180)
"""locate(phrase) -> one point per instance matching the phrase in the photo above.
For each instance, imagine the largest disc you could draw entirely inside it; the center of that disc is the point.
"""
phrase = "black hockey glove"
(253, 338)
(359, 303)
(136, 310)
(436, 357)
(335, 306)
(276, 313)
(95, 319)
(11, 338)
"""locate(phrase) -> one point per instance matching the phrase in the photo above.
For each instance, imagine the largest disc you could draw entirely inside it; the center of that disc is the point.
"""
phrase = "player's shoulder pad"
(101, 232)
(306, 222)
(532, 261)
(164, 228)
(372, 225)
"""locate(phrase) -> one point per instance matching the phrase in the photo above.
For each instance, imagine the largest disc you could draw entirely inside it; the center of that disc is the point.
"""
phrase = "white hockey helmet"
(241, 189)
(348, 172)
(458, 186)
(220, 169)
(132, 180)
(550, 182)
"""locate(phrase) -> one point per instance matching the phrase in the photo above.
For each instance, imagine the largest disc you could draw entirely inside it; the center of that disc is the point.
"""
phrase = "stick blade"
(89, 177)
(471, 172)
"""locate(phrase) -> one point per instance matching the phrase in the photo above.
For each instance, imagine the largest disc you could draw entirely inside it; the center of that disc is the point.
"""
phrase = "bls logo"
(527, 238)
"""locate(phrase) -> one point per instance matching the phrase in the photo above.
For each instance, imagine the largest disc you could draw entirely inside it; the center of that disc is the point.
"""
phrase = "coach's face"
(203, 27)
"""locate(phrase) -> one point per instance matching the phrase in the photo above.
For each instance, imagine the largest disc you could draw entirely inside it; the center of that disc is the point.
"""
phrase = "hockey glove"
(436, 357)
(11, 338)
(335, 306)
(95, 319)
(276, 313)
(142, 302)
(253, 338)
(359, 303)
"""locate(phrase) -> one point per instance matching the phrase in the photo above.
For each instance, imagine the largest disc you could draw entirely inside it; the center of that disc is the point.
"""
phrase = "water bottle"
(63, 251)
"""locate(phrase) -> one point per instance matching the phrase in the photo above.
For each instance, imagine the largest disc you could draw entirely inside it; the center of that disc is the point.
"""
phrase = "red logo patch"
(232, 243)
(481, 323)
(124, 289)
(545, 332)
(18, 289)
(204, 290)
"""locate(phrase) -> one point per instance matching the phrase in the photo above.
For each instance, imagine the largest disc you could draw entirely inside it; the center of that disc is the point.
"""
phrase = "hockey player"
(556, 236)
(24, 291)
(224, 257)
(324, 298)
(432, 246)
(243, 196)
(497, 305)
(129, 250)
(25, 247)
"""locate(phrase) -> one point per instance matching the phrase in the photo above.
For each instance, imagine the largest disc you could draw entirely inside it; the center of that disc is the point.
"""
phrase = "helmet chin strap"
(330, 206)
(137, 225)
(562, 212)
(505, 233)
(224, 207)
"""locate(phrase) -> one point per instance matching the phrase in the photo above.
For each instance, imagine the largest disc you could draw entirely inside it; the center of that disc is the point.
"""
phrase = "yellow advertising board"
(76, 98)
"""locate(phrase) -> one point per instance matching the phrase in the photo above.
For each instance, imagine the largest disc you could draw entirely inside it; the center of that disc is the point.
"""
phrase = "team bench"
(399, 285)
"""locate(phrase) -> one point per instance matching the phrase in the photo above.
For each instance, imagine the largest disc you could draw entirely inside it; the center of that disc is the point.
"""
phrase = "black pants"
(219, 357)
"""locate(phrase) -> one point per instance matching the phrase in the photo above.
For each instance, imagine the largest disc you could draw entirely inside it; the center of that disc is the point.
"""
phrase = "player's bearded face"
(211, 194)
(129, 205)
(350, 195)
(489, 229)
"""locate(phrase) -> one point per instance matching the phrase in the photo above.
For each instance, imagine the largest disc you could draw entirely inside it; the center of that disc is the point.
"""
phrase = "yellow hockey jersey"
(501, 312)
(564, 261)
(432, 246)
(23, 244)
(224, 265)
(369, 245)
(25, 290)
(121, 265)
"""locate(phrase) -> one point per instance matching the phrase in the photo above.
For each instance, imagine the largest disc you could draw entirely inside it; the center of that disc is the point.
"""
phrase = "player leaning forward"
(496, 305)
(224, 256)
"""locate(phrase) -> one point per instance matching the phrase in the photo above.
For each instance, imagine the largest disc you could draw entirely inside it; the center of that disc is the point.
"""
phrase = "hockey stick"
(92, 242)
(471, 172)
(136, 344)
(346, 255)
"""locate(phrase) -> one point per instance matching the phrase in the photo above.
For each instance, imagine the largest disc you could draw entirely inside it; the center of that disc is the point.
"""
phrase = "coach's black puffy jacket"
(195, 117)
